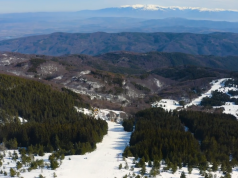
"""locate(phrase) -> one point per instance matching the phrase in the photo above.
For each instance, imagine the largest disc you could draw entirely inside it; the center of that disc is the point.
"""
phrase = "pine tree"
(182, 175)
(54, 164)
(150, 163)
(143, 170)
(41, 176)
(54, 175)
(214, 166)
(126, 166)
(174, 168)
(190, 169)
(41, 151)
(19, 165)
(142, 162)
(12, 172)
(154, 172)
(156, 164)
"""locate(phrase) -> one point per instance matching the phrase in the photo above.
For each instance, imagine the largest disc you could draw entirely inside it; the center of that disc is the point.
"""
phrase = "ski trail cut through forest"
(101, 163)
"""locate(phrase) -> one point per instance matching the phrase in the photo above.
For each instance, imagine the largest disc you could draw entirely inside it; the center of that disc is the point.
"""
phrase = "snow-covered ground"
(168, 174)
(104, 114)
(216, 85)
(22, 120)
(9, 163)
(102, 163)
(59, 77)
(167, 104)
(229, 107)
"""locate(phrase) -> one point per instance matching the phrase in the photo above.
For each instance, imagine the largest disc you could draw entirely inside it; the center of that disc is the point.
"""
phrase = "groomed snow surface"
(102, 163)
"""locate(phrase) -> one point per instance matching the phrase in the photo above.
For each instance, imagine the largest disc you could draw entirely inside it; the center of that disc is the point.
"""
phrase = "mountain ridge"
(219, 44)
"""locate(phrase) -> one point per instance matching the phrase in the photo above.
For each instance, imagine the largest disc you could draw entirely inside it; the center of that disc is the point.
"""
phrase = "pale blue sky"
(8, 6)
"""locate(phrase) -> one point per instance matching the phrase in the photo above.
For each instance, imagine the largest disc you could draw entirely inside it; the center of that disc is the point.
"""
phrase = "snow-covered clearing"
(104, 114)
(230, 108)
(167, 104)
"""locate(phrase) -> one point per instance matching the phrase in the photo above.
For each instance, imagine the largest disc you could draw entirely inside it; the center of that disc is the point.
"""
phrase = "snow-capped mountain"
(159, 12)
(164, 8)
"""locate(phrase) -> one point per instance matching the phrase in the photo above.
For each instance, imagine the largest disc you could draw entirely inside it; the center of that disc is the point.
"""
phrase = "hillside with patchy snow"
(216, 85)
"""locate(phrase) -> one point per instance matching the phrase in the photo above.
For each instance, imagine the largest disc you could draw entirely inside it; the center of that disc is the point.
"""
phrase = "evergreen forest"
(219, 98)
(50, 119)
(184, 138)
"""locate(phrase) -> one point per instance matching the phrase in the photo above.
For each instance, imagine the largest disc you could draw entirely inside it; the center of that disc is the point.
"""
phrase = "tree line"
(219, 98)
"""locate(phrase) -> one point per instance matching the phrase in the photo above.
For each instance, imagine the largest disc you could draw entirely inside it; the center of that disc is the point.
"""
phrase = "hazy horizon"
(23, 6)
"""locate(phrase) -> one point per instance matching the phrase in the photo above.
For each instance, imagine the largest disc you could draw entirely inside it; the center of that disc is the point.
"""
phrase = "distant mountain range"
(159, 12)
(218, 44)
(136, 18)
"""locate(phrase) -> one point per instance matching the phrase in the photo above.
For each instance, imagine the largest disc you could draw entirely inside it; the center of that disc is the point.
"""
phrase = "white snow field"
(167, 104)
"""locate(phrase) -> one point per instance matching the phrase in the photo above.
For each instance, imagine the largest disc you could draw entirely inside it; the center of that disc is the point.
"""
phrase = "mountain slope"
(154, 60)
(121, 79)
(220, 44)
